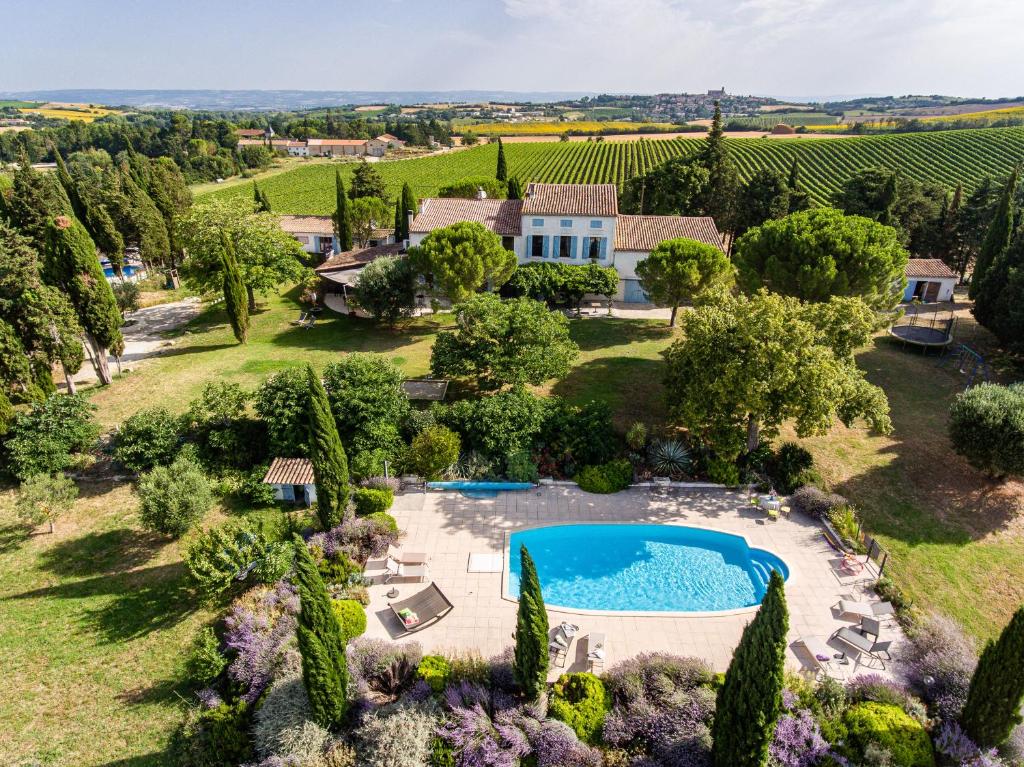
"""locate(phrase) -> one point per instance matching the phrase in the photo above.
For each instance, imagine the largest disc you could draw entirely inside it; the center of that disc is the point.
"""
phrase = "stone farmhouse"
(327, 147)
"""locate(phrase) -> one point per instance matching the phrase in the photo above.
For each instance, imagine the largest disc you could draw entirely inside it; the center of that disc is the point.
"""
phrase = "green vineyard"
(946, 157)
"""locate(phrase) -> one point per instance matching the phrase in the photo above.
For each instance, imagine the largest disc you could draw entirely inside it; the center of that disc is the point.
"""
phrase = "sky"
(786, 48)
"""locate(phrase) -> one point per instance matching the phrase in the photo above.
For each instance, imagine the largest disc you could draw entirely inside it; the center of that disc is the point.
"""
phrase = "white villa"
(568, 223)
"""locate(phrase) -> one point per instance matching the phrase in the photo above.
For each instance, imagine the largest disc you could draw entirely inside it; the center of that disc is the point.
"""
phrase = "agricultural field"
(84, 112)
(556, 128)
(947, 157)
(988, 115)
(796, 119)
(15, 104)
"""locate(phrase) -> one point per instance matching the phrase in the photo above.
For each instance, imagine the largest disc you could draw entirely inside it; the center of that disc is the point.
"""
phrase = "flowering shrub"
(939, 661)
(434, 670)
(284, 725)
(396, 736)
(477, 738)
(205, 663)
(383, 483)
(382, 668)
(260, 629)
(797, 741)
(888, 727)
(359, 538)
(951, 741)
(553, 743)
(581, 701)
(664, 705)
(874, 687)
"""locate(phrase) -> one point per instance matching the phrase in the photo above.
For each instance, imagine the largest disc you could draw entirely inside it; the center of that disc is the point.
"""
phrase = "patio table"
(768, 503)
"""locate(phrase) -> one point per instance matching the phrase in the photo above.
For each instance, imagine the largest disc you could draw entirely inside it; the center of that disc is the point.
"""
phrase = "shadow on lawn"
(631, 386)
(597, 333)
(12, 536)
(101, 552)
(140, 601)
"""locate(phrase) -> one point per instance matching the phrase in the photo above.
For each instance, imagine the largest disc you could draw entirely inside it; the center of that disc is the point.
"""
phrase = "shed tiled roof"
(357, 257)
(388, 137)
(307, 224)
(571, 200)
(335, 142)
(645, 233)
(290, 471)
(929, 267)
(503, 217)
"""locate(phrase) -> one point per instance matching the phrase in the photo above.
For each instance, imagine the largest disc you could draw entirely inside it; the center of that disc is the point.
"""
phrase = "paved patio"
(449, 528)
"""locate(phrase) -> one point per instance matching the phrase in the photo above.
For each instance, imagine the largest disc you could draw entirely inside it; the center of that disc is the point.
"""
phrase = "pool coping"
(505, 572)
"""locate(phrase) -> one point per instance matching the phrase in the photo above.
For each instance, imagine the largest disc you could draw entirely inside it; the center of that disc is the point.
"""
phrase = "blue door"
(633, 294)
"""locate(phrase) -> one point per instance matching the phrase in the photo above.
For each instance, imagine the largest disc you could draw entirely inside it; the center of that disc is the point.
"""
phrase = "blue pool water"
(644, 568)
(477, 489)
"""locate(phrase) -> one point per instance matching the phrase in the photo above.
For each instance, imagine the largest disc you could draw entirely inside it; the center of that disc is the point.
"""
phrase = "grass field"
(990, 115)
(14, 104)
(574, 126)
(946, 157)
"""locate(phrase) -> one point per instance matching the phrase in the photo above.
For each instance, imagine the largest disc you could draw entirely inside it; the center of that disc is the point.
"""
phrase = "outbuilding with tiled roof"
(503, 217)
(929, 280)
(292, 480)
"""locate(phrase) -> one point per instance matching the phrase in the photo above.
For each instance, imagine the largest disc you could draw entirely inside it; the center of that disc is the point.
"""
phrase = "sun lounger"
(863, 645)
(423, 609)
(408, 572)
(821, 654)
(562, 641)
(300, 320)
(833, 538)
(407, 557)
(869, 609)
(595, 651)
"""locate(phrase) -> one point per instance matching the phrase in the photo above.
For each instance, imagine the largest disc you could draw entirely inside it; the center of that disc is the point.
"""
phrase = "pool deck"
(448, 528)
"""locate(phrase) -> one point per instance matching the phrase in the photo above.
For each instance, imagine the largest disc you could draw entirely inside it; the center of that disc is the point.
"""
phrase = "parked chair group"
(406, 570)
(866, 637)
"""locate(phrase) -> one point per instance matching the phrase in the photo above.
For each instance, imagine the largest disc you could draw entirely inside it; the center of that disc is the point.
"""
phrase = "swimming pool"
(644, 568)
(479, 489)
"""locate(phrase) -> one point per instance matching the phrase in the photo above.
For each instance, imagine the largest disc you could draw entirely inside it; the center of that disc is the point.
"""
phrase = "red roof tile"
(503, 217)
(929, 267)
(290, 471)
(571, 200)
(645, 233)
(357, 257)
(307, 224)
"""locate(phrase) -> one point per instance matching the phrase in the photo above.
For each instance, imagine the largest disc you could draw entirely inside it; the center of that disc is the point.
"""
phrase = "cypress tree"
(798, 198)
(399, 221)
(342, 223)
(409, 205)
(997, 687)
(951, 248)
(330, 466)
(147, 226)
(260, 199)
(235, 301)
(34, 201)
(530, 666)
(750, 700)
(502, 172)
(94, 217)
(719, 196)
(515, 189)
(72, 266)
(997, 238)
(324, 670)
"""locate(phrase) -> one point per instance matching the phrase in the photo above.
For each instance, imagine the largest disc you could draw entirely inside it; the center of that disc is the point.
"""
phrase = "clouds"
(789, 47)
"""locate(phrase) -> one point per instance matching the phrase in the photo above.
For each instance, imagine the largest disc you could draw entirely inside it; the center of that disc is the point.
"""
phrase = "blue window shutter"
(585, 252)
(572, 247)
(604, 248)
(547, 245)
(529, 246)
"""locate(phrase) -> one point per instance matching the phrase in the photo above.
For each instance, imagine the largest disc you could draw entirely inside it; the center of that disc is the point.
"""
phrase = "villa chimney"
(480, 193)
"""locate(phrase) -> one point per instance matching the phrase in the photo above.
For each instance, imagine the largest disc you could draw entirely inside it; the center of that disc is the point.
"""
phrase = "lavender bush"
(939, 661)
(797, 741)
(382, 483)
(478, 740)
(380, 670)
(553, 743)
(951, 741)
(358, 538)
(260, 629)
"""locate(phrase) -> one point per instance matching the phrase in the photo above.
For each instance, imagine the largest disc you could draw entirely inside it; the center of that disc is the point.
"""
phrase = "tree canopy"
(674, 188)
(463, 258)
(367, 182)
(680, 270)
(386, 288)
(819, 253)
(746, 364)
(366, 215)
(516, 341)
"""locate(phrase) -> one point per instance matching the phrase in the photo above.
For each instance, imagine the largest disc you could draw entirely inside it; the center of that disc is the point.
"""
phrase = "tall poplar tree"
(330, 465)
(997, 238)
(72, 266)
(997, 688)
(502, 171)
(750, 700)
(235, 299)
(342, 222)
(515, 188)
(530, 665)
(324, 670)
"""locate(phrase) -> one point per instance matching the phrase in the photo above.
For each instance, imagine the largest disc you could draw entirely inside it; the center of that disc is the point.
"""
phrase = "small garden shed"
(292, 480)
(929, 280)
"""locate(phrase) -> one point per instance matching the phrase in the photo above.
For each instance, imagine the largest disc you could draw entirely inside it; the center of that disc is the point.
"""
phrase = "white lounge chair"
(595, 651)
(562, 641)
(821, 654)
(407, 557)
(407, 572)
(868, 609)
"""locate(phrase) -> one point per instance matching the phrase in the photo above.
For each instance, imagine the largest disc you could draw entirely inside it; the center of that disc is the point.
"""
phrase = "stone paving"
(448, 528)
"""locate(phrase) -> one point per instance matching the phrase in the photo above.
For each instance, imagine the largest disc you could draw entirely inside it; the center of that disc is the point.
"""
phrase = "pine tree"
(515, 189)
(324, 670)
(750, 699)
(330, 466)
(997, 687)
(997, 238)
(72, 266)
(342, 224)
(235, 300)
(502, 172)
(530, 666)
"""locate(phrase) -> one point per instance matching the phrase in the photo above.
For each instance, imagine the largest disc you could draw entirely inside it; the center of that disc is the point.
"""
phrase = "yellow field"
(988, 114)
(556, 128)
(84, 112)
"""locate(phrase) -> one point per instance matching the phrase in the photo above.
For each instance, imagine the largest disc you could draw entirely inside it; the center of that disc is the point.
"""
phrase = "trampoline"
(923, 336)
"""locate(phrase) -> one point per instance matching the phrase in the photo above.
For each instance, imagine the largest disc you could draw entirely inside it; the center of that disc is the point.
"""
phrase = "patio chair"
(396, 570)
(423, 609)
(863, 645)
(406, 557)
(300, 320)
(871, 626)
(821, 654)
(595, 651)
(561, 642)
(869, 609)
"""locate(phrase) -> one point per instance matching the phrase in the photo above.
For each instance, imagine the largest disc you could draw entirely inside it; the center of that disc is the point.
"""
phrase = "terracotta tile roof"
(929, 267)
(380, 234)
(249, 131)
(290, 471)
(389, 137)
(336, 141)
(571, 200)
(307, 225)
(503, 217)
(645, 233)
(351, 259)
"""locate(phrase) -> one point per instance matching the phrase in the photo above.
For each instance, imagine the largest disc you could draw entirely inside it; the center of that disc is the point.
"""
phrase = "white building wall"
(580, 227)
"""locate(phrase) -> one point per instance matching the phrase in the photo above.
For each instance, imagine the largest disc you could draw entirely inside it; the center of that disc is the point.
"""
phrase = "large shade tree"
(267, 257)
(680, 270)
(675, 188)
(747, 364)
(819, 253)
(499, 343)
(463, 258)
(386, 288)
